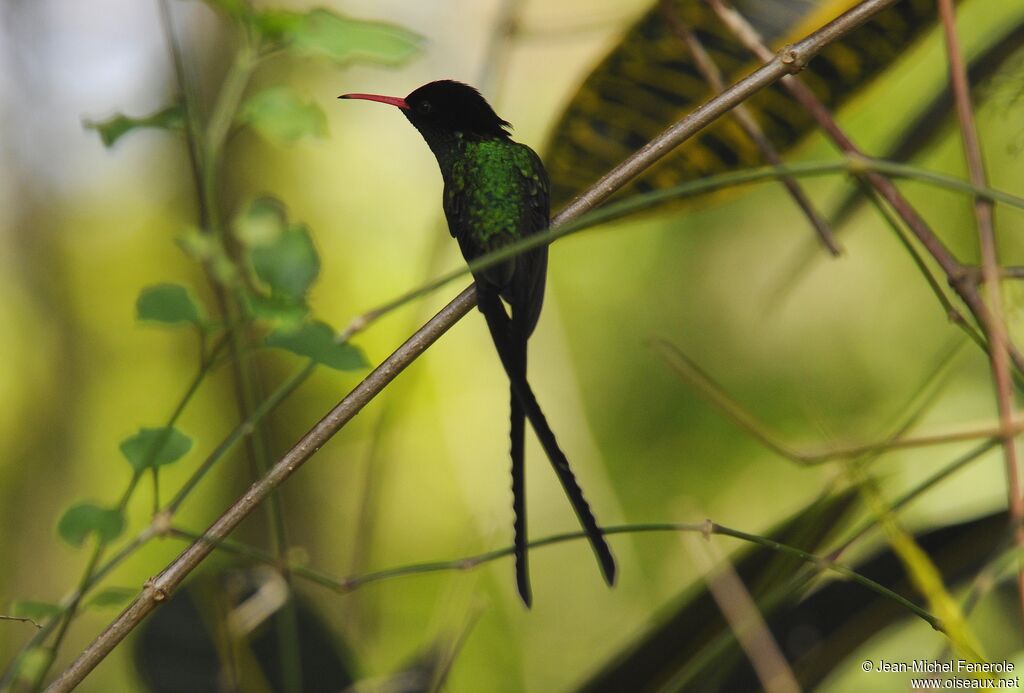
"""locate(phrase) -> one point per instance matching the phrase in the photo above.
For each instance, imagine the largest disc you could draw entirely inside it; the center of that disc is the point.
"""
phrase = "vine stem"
(211, 142)
(960, 278)
(994, 324)
(99, 548)
(160, 523)
(920, 569)
(349, 584)
(852, 164)
(792, 59)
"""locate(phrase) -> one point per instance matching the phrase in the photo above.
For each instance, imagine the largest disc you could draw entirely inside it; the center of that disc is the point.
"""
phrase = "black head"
(445, 107)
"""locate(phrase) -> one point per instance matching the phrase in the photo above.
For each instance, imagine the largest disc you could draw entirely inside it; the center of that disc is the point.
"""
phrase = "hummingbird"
(496, 193)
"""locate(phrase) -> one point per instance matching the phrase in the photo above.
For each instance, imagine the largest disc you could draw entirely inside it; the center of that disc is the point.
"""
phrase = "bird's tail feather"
(502, 333)
(518, 435)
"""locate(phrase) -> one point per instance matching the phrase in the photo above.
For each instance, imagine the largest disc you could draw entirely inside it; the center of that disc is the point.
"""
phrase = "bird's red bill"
(393, 100)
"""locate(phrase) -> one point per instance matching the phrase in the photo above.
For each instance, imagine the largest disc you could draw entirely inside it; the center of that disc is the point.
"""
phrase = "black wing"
(526, 295)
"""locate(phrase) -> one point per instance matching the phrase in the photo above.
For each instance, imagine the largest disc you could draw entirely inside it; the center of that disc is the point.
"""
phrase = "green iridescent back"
(496, 192)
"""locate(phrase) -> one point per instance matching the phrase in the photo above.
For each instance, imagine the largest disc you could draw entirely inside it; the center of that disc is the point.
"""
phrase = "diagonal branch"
(740, 611)
(792, 59)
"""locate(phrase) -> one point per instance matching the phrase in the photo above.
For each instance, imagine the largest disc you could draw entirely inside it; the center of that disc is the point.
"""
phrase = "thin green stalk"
(924, 575)
(69, 613)
(694, 376)
(86, 578)
(205, 364)
(644, 201)
(914, 493)
(246, 384)
(894, 169)
(838, 568)
(88, 581)
(156, 489)
(1004, 564)
(243, 429)
(349, 584)
(952, 313)
(190, 107)
(57, 619)
(222, 117)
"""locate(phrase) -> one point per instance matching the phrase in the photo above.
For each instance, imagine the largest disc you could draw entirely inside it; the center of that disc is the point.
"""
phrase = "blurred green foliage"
(155, 447)
(82, 520)
(421, 475)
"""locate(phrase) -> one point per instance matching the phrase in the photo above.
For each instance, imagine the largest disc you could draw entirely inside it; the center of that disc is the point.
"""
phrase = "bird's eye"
(425, 107)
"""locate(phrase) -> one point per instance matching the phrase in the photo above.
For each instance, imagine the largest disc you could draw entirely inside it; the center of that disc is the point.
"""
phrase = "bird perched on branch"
(496, 193)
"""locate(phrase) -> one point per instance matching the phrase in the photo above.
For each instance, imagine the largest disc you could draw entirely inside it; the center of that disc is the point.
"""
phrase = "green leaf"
(155, 447)
(282, 257)
(316, 340)
(37, 611)
(261, 223)
(112, 596)
(327, 34)
(79, 521)
(288, 265)
(167, 303)
(282, 116)
(113, 129)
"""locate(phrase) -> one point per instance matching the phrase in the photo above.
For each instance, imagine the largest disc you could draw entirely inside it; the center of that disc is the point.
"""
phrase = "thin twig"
(951, 312)
(348, 584)
(689, 371)
(792, 59)
(211, 144)
(100, 548)
(920, 568)
(243, 429)
(54, 621)
(994, 325)
(855, 164)
(740, 611)
(159, 588)
(189, 105)
(914, 493)
(713, 76)
(951, 267)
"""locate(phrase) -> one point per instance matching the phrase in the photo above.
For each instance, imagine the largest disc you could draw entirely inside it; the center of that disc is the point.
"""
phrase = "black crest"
(451, 105)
